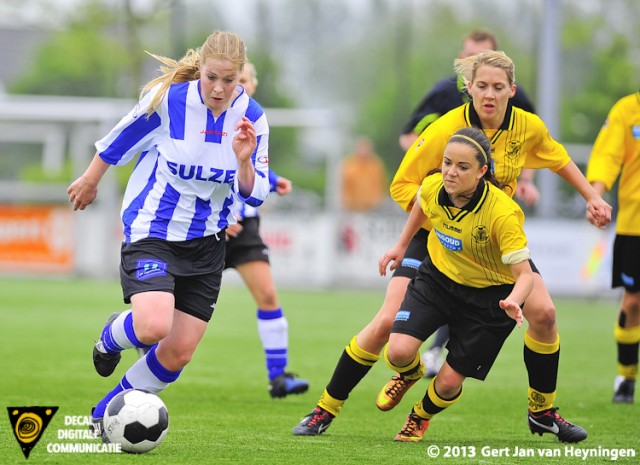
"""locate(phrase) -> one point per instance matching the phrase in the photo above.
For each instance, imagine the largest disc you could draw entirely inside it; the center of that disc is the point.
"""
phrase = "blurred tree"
(80, 61)
(597, 75)
(100, 53)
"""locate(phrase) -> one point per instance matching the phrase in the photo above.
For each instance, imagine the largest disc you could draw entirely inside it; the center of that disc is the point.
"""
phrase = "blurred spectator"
(364, 178)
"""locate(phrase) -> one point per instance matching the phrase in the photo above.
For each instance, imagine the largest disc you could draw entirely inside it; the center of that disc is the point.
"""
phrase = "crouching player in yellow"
(475, 278)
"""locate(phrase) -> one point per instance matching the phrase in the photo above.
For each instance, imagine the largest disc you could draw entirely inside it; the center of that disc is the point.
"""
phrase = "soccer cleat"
(97, 427)
(413, 429)
(287, 383)
(314, 424)
(393, 392)
(433, 361)
(623, 390)
(105, 364)
(550, 421)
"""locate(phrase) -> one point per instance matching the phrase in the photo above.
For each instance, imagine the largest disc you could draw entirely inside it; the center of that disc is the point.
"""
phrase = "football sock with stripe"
(273, 330)
(541, 360)
(146, 373)
(120, 335)
(432, 403)
(353, 365)
(412, 371)
(628, 342)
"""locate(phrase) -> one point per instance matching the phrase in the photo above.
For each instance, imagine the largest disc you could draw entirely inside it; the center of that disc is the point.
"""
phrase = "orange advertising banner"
(36, 239)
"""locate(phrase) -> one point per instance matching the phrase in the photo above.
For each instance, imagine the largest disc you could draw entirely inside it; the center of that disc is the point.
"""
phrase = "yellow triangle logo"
(28, 424)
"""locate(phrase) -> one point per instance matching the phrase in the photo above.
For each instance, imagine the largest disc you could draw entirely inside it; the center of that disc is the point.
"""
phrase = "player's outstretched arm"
(84, 190)
(598, 211)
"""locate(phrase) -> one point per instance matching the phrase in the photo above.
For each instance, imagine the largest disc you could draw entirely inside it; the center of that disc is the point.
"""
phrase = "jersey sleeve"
(509, 231)
(424, 155)
(607, 154)
(133, 134)
(544, 151)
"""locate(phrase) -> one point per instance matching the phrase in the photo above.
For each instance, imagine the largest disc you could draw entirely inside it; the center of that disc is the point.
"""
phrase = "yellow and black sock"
(354, 364)
(628, 341)
(432, 403)
(414, 370)
(541, 360)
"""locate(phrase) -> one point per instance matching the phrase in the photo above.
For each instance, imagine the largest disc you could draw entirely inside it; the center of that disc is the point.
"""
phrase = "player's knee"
(448, 384)
(541, 317)
(399, 355)
(182, 357)
(174, 358)
(631, 304)
(152, 331)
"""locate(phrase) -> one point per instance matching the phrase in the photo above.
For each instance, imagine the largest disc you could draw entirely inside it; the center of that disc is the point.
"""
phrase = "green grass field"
(220, 411)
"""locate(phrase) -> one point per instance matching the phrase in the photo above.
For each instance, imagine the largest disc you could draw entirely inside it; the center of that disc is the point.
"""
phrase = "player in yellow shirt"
(475, 277)
(616, 156)
(518, 139)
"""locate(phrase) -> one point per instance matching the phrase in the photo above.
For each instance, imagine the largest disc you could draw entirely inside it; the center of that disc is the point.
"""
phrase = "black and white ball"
(137, 420)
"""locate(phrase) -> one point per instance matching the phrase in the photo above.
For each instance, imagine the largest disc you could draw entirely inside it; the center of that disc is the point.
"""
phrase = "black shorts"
(190, 270)
(626, 263)
(478, 327)
(248, 246)
(415, 254)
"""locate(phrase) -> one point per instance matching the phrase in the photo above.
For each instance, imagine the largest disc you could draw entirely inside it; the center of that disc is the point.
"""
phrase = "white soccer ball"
(137, 420)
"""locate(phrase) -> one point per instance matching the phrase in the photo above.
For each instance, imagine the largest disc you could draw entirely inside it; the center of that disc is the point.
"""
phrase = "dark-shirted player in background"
(445, 95)
(475, 278)
(616, 156)
(249, 255)
(449, 92)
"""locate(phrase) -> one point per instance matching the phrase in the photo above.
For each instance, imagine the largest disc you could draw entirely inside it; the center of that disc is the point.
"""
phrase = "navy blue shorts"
(190, 270)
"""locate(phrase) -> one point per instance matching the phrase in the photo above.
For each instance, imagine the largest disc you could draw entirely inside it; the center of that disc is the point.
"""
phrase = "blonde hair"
(466, 68)
(253, 74)
(219, 45)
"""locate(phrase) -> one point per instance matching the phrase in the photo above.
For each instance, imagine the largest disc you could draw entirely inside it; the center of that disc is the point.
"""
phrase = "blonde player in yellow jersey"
(616, 154)
(475, 278)
(519, 139)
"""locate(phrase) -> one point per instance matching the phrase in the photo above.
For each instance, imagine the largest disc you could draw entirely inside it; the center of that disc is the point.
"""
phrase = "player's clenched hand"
(513, 310)
(395, 255)
(233, 230)
(82, 193)
(528, 193)
(598, 212)
(283, 186)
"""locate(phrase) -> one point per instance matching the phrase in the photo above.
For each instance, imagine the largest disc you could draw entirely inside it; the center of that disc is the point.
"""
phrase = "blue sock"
(147, 373)
(273, 330)
(119, 334)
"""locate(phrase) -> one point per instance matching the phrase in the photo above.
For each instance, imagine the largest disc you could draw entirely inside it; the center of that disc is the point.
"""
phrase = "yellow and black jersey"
(523, 141)
(474, 245)
(616, 152)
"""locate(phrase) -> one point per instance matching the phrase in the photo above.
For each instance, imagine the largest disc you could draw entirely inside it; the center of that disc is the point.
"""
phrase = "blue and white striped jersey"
(184, 183)
(243, 210)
